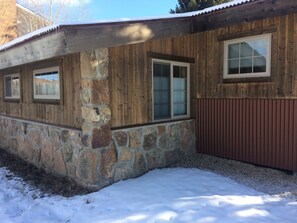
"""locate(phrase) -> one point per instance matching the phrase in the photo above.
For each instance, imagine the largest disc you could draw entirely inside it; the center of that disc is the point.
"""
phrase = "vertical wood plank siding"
(66, 112)
(130, 77)
(260, 131)
(130, 68)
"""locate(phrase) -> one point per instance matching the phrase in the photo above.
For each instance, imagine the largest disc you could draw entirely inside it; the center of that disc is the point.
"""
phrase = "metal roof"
(53, 28)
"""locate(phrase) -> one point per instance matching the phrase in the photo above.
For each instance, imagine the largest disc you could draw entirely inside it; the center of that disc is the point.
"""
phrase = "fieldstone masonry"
(96, 156)
(131, 152)
(148, 147)
(55, 149)
(100, 154)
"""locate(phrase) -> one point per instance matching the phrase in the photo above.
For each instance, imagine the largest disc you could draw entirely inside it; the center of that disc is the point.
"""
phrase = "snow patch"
(167, 195)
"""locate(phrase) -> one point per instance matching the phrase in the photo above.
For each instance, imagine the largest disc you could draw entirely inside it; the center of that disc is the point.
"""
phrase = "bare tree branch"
(44, 13)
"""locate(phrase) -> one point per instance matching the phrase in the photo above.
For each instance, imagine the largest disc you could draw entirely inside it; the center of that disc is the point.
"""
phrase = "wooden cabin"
(103, 102)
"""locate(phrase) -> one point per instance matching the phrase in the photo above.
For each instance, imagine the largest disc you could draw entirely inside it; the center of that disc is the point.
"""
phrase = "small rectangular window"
(170, 89)
(12, 86)
(46, 83)
(247, 57)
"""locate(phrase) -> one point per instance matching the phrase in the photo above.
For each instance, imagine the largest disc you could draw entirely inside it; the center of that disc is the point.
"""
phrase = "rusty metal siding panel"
(260, 131)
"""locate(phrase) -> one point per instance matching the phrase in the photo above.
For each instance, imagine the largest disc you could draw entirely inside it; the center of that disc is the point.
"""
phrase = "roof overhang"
(251, 11)
(68, 39)
(73, 38)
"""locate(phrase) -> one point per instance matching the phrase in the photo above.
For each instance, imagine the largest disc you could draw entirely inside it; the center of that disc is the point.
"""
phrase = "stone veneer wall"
(99, 156)
(131, 153)
(55, 149)
(154, 146)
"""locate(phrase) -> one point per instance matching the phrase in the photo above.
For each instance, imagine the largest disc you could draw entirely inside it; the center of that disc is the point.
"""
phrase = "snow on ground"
(167, 195)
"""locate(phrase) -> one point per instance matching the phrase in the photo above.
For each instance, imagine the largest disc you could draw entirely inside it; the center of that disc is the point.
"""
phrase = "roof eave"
(239, 14)
(73, 39)
(49, 46)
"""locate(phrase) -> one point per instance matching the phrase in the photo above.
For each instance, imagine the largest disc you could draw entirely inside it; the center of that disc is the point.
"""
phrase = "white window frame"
(12, 96)
(46, 70)
(172, 116)
(248, 75)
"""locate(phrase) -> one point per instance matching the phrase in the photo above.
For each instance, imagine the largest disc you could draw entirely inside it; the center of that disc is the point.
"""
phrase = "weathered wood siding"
(66, 112)
(130, 68)
(283, 62)
(131, 77)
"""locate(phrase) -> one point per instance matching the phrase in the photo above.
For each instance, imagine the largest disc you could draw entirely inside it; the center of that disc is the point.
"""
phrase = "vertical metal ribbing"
(260, 131)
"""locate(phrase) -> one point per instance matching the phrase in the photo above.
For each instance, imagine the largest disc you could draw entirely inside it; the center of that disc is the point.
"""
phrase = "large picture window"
(247, 57)
(46, 83)
(170, 89)
(12, 86)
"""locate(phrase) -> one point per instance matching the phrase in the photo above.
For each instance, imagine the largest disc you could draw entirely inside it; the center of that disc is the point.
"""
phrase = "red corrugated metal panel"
(260, 131)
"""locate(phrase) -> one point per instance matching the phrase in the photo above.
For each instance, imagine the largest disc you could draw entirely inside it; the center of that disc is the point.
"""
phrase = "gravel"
(267, 180)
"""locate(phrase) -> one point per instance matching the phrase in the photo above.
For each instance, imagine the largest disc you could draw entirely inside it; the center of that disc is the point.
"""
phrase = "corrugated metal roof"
(223, 6)
(49, 29)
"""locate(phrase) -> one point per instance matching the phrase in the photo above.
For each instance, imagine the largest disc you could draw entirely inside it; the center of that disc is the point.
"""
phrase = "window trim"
(172, 63)
(11, 76)
(47, 97)
(248, 75)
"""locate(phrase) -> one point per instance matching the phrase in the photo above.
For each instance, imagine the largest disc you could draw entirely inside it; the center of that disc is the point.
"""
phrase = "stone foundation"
(155, 146)
(54, 149)
(129, 152)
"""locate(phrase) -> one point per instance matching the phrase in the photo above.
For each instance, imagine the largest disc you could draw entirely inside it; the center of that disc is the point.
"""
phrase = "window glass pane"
(179, 90)
(165, 97)
(165, 111)
(233, 66)
(246, 49)
(47, 84)
(180, 109)
(15, 86)
(259, 64)
(179, 71)
(157, 83)
(260, 47)
(233, 51)
(157, 69)
(161, 76)
(246, 66)
(8, 87)
(12, 86)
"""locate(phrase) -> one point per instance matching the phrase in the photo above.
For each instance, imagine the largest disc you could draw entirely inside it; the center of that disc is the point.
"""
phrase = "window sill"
(171, 119)
(247, 80)
(13, 100)
(47, 101)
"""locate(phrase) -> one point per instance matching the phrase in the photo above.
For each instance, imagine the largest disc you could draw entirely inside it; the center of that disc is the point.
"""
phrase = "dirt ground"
(37, 178)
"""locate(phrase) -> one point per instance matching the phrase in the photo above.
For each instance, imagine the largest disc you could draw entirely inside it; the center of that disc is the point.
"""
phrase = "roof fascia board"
(46, 47)
(78, 39)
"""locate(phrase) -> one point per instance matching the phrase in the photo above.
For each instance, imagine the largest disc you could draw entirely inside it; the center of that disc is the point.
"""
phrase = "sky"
(102, 9)
(107, 9)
